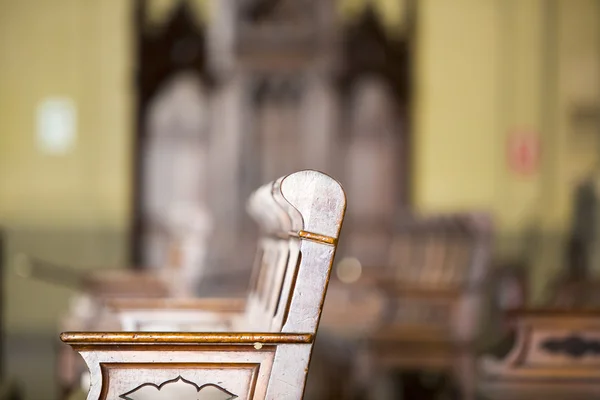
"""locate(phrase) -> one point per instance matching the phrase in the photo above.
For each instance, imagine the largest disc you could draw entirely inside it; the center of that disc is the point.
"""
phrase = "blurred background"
(119, 118)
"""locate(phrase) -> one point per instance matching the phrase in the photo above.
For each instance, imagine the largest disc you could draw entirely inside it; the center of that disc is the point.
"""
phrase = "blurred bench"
(555, 355)
(434, 289)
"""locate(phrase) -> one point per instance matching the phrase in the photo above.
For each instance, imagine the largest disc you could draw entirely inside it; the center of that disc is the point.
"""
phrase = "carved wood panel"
(175, 170)
(161, 55)
(178, 388)
(147, 375)
(555, 355)
(561, 347)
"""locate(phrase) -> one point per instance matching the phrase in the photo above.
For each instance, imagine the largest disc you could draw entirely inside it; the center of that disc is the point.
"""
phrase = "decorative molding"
(179, 386)
(573, 346)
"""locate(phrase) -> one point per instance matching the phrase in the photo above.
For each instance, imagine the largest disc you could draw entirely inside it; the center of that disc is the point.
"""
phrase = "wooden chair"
(555, 355)
(266, 353)
(552, 352)
(435, 290)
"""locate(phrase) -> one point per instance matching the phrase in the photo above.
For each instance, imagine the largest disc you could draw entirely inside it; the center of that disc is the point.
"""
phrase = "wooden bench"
(95, 287)
(435, 286)
(555, 355)
(266, 352)
(176, 279)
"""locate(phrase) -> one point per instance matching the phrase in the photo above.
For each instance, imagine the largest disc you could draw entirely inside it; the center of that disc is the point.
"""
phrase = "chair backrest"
(438, 265)
(302, 206)
(442, 251)
(277, 262)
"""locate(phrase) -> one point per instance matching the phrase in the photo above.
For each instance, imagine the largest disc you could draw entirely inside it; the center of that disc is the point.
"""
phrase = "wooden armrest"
(552, 316)
(544, 312)
(181, 338)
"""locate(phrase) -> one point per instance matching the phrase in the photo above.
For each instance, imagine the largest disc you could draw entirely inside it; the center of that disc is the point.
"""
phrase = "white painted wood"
(300, 218)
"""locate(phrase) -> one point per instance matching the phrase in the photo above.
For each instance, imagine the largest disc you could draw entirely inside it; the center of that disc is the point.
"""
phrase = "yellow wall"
(478, 79)
(456, 104)
(78, 49)
(483, 69)
(578, 84)
(58, 207)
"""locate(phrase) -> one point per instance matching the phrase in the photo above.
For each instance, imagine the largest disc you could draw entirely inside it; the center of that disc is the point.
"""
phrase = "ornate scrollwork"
(573, 346)
(180, 389)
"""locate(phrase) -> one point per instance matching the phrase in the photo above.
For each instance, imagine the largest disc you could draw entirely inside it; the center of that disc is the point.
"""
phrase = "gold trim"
(316, 237)
(176, 338)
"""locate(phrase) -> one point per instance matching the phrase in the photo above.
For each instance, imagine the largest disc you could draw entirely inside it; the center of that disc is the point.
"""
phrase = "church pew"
(266, 352)
(178, 278)
(95, 287)
(434, 286)
(148, 314)
(555, 355)
(154, 296)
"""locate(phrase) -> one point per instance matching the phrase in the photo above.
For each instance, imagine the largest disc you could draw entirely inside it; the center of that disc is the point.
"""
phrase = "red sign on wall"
(524, 152)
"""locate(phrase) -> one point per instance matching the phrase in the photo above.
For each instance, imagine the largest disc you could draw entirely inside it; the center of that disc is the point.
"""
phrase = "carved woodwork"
(285, 34)
(574, 346)
(278, 73)
(176, 183)
(372, 84)
(179, 388)
(262, 353)
(168, 59)
(555, 355)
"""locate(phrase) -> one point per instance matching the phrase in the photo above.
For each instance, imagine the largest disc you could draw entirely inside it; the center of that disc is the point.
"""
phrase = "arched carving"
(368, 54)
(373, 146)
(178, 388)
(176, 169)
(368, 49)
(374, 93)
(171, 69)
(277, 103)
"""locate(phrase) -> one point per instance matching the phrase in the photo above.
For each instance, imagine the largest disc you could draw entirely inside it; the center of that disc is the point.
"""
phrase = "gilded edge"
(162, 338)
(316, 237)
